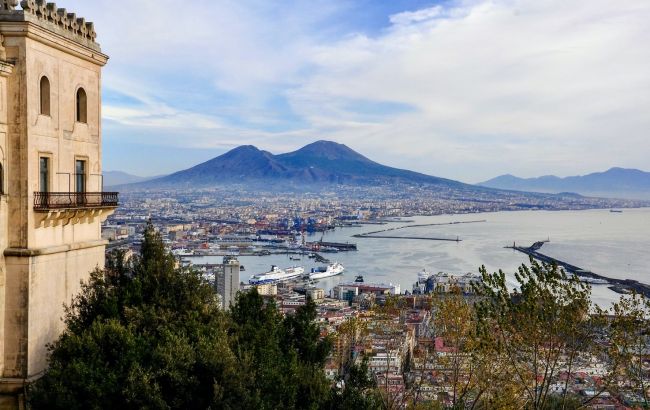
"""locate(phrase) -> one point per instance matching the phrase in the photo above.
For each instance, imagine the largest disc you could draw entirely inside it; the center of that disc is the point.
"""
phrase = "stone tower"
(51, 196)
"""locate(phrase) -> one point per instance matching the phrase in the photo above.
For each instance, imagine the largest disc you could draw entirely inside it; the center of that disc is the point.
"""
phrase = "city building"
(445, 283)
(267, 289)
(315, 294)
(227, 280)
(348, 291)
(52, 202)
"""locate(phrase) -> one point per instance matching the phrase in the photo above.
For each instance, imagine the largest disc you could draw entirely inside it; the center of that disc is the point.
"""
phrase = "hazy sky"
(465, 89)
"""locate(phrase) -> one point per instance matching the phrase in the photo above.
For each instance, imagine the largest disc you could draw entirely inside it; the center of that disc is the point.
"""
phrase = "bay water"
(612, 244)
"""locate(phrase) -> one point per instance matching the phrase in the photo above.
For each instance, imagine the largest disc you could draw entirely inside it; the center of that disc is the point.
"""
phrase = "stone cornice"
(6, 68)
(50, 13)
(35, 31)
(21, 252)
(51, 19)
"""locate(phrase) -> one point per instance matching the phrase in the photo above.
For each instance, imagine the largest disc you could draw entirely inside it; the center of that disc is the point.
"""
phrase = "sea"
(613, 244)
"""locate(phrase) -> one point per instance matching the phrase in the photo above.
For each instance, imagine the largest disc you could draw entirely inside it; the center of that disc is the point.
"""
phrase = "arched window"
(82, 106)
(45, 96)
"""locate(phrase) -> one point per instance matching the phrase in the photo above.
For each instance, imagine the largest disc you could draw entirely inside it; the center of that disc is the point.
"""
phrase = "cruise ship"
(277, 275)
(326, 271)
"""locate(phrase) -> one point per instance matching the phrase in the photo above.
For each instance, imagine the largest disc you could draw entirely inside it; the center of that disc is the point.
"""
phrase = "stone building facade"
(51, 196)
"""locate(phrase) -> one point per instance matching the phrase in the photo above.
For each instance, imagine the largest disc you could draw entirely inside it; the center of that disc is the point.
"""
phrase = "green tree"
(142, 334)
(357, 390)
(147, 334)
(283, 356)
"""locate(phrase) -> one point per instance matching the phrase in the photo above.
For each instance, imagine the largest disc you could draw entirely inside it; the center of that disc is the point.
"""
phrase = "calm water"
(612, 244)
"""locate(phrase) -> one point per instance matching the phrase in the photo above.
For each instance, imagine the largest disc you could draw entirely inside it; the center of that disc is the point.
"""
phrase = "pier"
(410, 237)
(617, 285)
(346, 247)
(377, 234)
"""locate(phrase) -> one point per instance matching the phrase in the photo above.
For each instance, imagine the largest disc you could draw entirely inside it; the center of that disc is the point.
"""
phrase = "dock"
(617, 285)
(346, 247)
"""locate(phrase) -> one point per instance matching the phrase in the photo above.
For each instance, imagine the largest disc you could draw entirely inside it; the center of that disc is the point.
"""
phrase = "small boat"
(616, 211)
(359, 279)
(594, 281)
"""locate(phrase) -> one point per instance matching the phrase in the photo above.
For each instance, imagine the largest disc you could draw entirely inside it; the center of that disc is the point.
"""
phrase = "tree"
(142, 334)
(454, 324)
(350, 333)
(284, 357)
(148, 334)
(629, 341)
(540, 327)
(358, 391)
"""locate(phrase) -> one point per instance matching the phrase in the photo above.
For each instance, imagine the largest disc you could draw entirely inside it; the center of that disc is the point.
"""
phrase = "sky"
(463, 89)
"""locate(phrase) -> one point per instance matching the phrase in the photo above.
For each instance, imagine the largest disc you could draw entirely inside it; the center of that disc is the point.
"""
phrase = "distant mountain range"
(613, 183)
(320, 163)
(113, 178)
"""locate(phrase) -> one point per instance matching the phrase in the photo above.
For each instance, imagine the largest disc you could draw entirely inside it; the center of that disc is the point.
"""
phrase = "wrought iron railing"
(45, 201)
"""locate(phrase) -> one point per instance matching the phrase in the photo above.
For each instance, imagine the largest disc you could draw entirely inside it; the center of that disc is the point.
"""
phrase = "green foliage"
(146, 334)
(535, 327)
(360, 390)
(630, 341)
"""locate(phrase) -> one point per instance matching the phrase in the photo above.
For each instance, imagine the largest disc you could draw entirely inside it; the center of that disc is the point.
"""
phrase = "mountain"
(615, 183)
(112, 178)
(319, 163)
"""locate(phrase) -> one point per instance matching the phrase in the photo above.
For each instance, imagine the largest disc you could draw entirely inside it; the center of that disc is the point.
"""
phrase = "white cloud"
(523, 86)
(409, 17)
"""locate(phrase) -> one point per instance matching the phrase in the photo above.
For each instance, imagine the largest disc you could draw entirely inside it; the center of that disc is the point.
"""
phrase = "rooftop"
(52, 18)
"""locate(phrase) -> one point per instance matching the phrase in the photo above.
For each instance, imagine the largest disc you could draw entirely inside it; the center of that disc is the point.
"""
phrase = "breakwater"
(382, 233)
(617, 285)
(411, 237)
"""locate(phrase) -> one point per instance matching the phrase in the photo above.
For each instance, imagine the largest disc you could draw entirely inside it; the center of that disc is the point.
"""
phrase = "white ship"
(277, 275)
(182, 252)
(326, 271)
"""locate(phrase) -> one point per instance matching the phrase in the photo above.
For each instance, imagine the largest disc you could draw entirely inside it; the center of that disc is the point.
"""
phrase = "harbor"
(621, 237)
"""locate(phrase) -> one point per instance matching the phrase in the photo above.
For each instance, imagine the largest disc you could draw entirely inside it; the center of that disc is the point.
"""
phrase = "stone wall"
(44, 256)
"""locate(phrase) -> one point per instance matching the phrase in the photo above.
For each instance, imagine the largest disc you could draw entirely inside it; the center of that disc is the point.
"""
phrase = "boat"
(616, 211)
(277, 275)
(182, 252)
(594, 281)
(323, 272)
(359, 279)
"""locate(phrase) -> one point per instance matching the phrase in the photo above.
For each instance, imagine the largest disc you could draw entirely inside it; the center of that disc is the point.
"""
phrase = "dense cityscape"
(397, 332)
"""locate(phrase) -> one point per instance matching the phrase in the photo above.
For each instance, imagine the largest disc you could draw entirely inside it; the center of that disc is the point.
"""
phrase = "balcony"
(60, 201)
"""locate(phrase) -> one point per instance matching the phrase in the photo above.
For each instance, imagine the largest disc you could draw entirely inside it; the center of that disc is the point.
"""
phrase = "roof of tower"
(52, 18)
